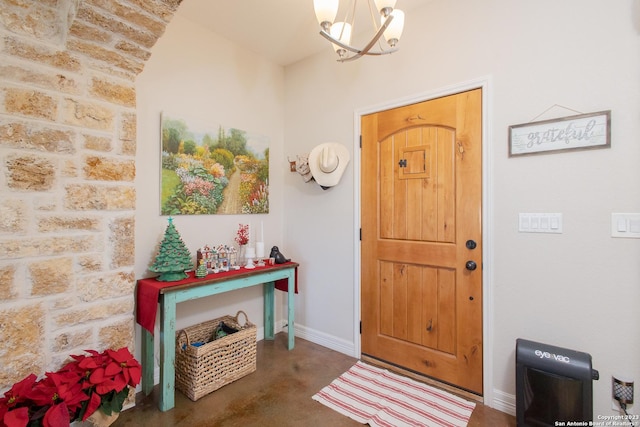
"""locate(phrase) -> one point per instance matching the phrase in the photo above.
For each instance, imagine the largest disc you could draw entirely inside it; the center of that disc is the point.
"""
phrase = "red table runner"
(148, 291)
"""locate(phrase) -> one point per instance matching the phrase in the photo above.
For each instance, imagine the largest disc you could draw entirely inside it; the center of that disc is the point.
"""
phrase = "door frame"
(483, 83)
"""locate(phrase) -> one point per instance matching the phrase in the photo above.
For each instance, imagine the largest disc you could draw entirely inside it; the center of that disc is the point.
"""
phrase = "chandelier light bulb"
(394, 30)
(326, 11)
(385, 6)
(341, 31)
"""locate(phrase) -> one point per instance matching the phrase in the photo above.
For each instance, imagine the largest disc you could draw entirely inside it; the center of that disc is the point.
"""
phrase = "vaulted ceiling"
(284, 31)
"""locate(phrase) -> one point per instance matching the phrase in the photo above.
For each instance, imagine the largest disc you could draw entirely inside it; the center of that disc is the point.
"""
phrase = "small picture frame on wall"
(580, 132)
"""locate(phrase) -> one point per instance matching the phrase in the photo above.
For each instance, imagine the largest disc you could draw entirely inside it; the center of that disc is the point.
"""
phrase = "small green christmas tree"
(173, 257)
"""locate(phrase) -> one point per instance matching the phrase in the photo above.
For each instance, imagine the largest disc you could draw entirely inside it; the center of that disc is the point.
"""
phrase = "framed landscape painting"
(207, 169)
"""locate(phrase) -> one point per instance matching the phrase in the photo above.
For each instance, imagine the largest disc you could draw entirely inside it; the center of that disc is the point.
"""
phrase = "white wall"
(579, 289)
(202, 77)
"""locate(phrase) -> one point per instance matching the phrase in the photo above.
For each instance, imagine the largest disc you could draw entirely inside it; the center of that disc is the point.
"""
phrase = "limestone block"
(109, 169)
(13, 216)
(97, 143)
(122, 239)
(58, 223)
(90, 263)
(117, 335)
(31, 103)
(106, 285)
(130, 15)
(40, 54)
(133, 50)
(90, 312)
(7, 277)
(30, 173)
(127, 135)
(69, 168)
(92, 15)
(87, 114)
(22, 336)
(113, 92)
(52, 276)
(163, 9)
(21, 134)
(95, 197)
(90, 33)
(33, 19)
(67, 341)
(40, 78)
(106, 55)
(49, 246)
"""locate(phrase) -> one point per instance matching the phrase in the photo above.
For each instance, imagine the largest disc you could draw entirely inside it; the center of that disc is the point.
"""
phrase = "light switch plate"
(625, 225)
(540, 223)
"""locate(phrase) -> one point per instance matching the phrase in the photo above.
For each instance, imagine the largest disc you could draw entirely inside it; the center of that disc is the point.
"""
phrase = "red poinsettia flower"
(62, 393)
(11, 414)
(18, 393)
(126, 368)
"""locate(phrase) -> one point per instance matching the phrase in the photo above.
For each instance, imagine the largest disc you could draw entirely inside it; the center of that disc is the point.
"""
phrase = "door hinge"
(361, 327)
(360, 141)
(361, 234)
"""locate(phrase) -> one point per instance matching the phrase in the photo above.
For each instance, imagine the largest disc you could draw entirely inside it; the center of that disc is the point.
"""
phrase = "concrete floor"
(277, 394)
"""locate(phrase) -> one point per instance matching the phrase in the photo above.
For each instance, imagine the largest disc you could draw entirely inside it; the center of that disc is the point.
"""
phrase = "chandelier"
(386, 21)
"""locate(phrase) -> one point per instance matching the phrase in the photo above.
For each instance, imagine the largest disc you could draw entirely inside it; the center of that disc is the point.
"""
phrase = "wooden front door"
(421, 246)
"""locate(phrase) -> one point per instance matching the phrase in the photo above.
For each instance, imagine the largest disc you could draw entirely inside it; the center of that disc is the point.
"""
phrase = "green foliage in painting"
(198, 168)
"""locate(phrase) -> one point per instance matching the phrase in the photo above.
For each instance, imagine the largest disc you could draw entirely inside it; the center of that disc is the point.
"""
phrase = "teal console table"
(151, 292)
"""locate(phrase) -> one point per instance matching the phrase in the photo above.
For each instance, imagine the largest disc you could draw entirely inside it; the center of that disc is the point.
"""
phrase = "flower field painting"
(208, 169)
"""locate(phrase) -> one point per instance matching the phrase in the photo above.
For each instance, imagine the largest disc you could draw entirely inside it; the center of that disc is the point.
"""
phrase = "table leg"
(167, 351)
(269, 315)
(291, 307)
(147, 361)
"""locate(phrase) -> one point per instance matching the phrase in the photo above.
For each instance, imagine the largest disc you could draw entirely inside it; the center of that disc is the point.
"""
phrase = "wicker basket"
(201, 370)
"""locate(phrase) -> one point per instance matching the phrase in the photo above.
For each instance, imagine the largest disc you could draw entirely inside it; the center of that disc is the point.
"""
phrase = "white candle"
(260, 249)
(251, 252)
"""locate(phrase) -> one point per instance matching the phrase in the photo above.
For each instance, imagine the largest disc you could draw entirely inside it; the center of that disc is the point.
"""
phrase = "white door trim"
(487, 215)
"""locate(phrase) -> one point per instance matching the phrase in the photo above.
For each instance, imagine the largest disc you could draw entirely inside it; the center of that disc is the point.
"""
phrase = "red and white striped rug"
(377, 397)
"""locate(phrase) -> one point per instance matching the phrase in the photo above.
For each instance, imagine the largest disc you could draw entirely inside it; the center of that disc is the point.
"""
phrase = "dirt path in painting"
(231, 203)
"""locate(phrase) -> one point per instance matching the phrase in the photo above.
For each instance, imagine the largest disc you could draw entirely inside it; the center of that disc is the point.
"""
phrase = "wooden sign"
(584, 131)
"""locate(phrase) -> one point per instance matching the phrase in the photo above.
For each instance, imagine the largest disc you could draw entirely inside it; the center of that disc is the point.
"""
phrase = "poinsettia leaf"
(122, 355)
(94, 403)
(56, 416)
(120, 381)
(112, 369)
(17, 418)
(136, 375)
(97, 376)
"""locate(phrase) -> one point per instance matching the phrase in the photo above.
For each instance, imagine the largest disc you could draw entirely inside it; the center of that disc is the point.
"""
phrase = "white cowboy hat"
(327, 163)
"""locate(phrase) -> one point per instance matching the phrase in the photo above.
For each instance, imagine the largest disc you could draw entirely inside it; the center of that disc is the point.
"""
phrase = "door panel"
(421, 201)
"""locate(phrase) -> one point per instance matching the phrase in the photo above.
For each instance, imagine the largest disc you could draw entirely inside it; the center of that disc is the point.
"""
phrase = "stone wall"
(67, 170)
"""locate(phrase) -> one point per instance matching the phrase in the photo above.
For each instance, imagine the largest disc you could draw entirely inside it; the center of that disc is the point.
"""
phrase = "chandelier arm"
(376, 53)
(376, 37)
(367, 48)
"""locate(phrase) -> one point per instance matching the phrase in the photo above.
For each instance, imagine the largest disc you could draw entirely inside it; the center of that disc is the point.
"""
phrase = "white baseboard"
(504, 402)
(329, 341)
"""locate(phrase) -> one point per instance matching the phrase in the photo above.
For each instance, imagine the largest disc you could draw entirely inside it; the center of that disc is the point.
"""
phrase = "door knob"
(471, 265)
(471, 244)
